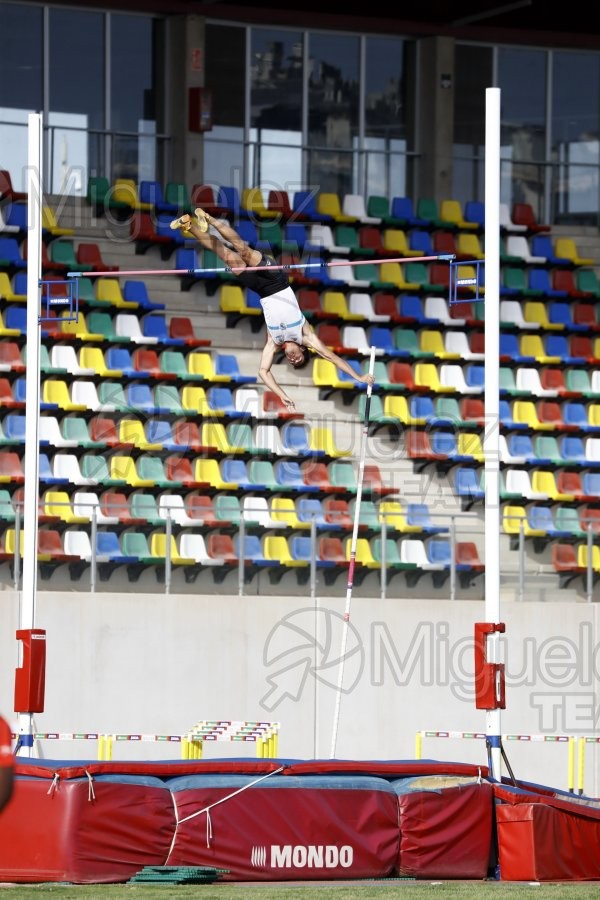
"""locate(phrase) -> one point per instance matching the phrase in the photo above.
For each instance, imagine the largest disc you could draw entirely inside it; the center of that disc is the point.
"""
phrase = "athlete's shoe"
(202, 220)
(182, 222)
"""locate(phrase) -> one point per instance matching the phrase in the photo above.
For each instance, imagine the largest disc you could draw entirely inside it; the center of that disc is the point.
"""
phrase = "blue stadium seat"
(235, 471)
(155, 326)
(140, 398)
(135, 291)
(119, 358)
(402, 208)
(289, 475)
(152, 192)
(309, 509)
(227, 364)
(418, 515)
(438, 552)
(304, 206)
(159, 431)
(539, 280)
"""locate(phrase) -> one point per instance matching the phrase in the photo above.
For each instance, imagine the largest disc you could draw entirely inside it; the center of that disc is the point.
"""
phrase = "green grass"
(361, 890)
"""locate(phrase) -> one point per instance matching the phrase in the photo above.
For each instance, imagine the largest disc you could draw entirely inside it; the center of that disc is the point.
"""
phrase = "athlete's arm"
(264, 370)
(310, 339)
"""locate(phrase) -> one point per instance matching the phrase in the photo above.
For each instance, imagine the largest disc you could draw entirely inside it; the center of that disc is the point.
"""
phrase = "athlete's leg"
(199, 229)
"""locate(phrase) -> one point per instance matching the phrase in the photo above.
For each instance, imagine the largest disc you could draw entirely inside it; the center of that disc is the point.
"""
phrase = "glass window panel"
(385, 86)
(224, 156)
(77, 64)
(225, 59)
(21, 57)
(575, 136)
(333, 119)
(472, 76)
(132, 72)
(333, 90)
(276, 65)
(523, 127)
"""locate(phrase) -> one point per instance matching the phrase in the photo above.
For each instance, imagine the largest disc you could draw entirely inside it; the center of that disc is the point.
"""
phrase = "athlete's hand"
(289, 403)
(367, 379)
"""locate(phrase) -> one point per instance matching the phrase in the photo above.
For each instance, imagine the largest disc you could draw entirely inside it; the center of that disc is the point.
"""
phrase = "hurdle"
(568, 739)
(582, 742)
(263, 734)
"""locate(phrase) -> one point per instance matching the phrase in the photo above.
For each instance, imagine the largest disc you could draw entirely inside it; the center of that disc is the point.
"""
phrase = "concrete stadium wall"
(141, 663)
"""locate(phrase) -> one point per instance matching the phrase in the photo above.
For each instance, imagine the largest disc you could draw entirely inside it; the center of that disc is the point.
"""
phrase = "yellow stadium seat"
(194, 399)
(451, 211)
(432, 341)
(394, 516)
(512, 517)
(56, 392)
(364, 555)
(131, 431)
(207, 470)
(469, 444)
(326, 374)
(525, 413)
(469, 245)
(78, 328)
(583, 556)
(232, 299)
(328, 204)
(277, 547)
(395, 240)
(426, 375)
(7, 293)
(123, 468)
(254, 202)
(336, 304)
(201, 364)
(215, 436)
(283, 509)
(566, 248)
(124, 190)
(322, 439)
(108, 290)
(536, 313)
(393, 272)
(93, 358)
(50, 223)
(58, 504)
(532, 345)
(158, 548)
(544, 483)
(398, 407)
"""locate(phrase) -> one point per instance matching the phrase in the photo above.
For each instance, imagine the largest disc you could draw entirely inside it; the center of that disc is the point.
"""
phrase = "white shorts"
(283, 316)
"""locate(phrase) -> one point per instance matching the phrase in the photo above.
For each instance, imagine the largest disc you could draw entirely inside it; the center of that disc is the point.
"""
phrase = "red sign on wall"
(197, 59)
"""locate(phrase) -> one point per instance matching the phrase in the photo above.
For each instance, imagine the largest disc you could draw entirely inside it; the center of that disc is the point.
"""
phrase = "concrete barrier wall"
(150, 664)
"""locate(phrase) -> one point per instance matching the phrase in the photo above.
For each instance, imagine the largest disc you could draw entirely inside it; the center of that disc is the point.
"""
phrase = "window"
(575, 138)
(523, 129)
(225, 68)
(388, 105)
(276, 67)
(20, 84)
(333, 120)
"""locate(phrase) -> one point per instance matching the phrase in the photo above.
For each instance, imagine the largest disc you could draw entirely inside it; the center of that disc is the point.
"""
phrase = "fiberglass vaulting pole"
(491, 443)
(359, 483)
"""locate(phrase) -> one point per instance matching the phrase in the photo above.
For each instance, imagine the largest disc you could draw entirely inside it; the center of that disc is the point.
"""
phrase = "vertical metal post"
(241, 554)
(168, 560)
(315, 606)
(17, 564)
(521, 560)
(491, 438)
(589, 579)
(94, 560)
(452, 558)
(32, 406)
(383, 570)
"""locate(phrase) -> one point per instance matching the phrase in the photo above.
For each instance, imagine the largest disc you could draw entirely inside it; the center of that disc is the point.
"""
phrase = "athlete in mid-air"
(287, 329)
